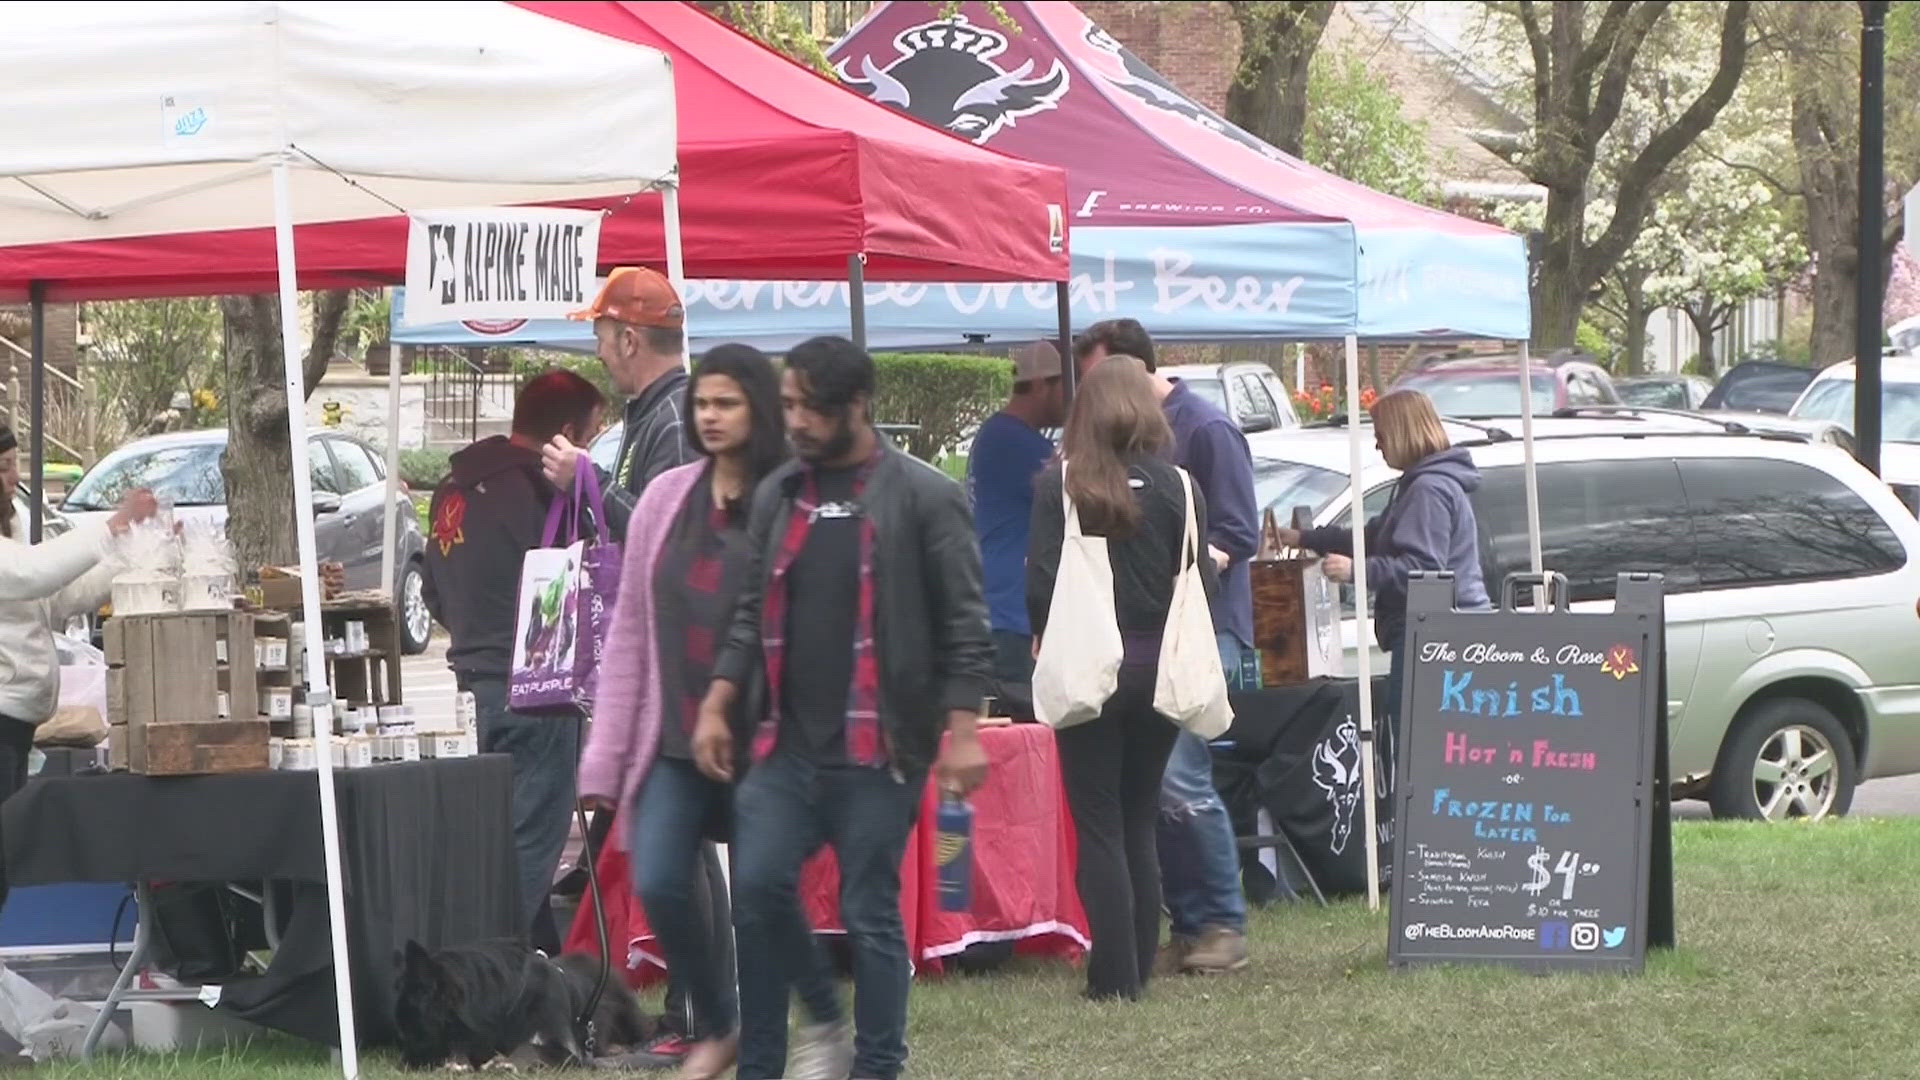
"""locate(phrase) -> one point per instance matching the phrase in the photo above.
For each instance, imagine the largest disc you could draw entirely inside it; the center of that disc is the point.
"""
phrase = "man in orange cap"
(637, 330)
(638, 334)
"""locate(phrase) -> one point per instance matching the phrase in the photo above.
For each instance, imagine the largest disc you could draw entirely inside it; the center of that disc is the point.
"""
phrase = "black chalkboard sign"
(1531, 781)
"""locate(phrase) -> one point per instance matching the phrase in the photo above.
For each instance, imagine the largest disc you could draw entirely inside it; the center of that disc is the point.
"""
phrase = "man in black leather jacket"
(865, 628)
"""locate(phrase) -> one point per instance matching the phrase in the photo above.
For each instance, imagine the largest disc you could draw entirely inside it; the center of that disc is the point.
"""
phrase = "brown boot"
(710, 1058)
(1172, 957)
(1219, 949)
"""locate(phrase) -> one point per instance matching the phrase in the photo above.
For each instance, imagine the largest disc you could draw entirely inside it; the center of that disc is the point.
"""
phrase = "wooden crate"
(166, 676)
(187, 749)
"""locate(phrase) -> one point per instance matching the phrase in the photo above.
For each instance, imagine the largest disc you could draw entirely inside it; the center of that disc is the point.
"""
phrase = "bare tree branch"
(1632, 31)
(1778, 185)
(1604, 38)
(1542, 62)
(1636, 182)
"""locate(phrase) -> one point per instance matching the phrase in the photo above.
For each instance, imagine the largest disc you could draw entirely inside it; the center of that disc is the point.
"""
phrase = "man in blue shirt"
(1008, 452)
(1199, 860)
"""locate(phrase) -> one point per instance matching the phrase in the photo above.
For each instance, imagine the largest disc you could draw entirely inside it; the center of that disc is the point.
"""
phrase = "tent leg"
(1533, 485)
(1363, 650)
(390, 520)
(1063, 309)
(37, 437)
(676, 261)
(857, 297)
(318, 694)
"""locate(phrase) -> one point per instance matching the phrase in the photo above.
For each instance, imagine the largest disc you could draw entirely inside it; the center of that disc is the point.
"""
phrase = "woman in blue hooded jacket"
(1428, 525)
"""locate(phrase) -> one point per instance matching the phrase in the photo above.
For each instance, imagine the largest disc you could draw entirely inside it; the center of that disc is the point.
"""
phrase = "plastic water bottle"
(953, 852)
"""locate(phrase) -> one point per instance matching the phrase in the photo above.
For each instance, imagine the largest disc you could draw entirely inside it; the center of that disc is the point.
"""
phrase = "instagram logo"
(1586, 936)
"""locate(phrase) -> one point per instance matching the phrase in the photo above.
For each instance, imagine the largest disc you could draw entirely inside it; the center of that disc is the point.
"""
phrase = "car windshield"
(188, 474)
(1283, 485)
(1479, 395)
(1654, 395)
(1832, 399)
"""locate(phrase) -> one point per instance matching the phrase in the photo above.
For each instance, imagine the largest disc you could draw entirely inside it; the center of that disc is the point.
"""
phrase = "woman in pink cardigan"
(685, 561)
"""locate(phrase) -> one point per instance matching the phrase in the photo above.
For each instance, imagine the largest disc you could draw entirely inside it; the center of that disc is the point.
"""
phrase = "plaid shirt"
(866, 743)
(692, 584)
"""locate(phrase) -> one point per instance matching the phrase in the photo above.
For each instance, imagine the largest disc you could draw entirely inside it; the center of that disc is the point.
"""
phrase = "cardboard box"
(298, 755)
(276, 702)
(406, 748)
(448, 746)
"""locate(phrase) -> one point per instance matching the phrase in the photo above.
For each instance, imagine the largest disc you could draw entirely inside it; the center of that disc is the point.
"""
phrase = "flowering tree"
(1721, 240)
(1355, 129)
(1580, 64)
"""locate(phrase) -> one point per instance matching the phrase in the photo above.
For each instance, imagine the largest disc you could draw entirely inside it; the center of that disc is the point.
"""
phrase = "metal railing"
(66, 398)
(464, 390)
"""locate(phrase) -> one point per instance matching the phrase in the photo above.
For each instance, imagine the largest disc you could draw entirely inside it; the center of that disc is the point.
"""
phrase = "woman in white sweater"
(41, 586)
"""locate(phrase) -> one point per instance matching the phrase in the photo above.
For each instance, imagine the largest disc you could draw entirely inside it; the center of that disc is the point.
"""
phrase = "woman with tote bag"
(1111, 530)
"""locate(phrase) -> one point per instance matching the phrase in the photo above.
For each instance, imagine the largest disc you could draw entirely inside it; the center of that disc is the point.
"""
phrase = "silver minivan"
(1792, 574)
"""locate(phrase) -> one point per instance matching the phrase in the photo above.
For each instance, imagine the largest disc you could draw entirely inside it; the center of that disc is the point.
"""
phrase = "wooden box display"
(183, 692)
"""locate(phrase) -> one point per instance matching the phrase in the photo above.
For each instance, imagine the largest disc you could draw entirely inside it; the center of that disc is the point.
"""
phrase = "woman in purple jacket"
(685, 560)
(1428, 525)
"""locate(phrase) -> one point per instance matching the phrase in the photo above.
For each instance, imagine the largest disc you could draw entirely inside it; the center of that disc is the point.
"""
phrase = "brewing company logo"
(945, 74)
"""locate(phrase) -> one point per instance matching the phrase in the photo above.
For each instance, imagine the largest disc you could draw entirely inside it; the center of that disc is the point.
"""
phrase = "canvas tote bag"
(1191, 689)
(567, 588)
(1079, 662)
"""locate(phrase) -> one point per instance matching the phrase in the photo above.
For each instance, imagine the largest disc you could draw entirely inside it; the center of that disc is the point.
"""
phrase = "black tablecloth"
(427, 855)
(1287, 754)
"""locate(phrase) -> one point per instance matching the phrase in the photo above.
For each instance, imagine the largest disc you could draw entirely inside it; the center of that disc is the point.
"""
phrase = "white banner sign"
(500, 263)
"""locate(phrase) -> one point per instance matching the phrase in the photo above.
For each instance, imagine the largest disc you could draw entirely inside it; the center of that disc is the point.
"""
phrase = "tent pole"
(390, 520)
(1533, 485)
(676, 261)
(857, 297)
(1063, 309)
(318, 695)
(37, 437)
(1363, 650)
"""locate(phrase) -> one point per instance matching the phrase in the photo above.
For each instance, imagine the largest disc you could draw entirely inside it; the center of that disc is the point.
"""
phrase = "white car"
(1250, 393)
(1792, 576)
(1830, 397)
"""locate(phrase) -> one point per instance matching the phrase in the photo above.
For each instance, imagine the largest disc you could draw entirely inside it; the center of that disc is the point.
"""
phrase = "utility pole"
(1869, 300)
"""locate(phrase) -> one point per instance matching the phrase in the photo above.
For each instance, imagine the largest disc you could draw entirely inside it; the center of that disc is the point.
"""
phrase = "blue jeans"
(676, 811)
(546, 756)
(785, 809)
(1199, 860)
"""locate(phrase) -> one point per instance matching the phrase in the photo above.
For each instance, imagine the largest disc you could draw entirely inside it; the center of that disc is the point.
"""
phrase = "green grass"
(1796, 961)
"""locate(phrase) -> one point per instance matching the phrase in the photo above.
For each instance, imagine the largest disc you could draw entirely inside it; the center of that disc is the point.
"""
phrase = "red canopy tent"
(785, 174)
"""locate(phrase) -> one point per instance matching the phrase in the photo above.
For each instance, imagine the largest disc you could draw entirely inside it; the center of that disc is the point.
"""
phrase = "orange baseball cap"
(638, 296)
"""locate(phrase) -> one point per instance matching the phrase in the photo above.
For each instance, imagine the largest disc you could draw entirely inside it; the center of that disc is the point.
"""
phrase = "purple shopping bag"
(567, 588)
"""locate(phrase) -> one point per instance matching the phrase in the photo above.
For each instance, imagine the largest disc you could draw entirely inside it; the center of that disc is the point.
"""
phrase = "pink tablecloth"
(1023, 862)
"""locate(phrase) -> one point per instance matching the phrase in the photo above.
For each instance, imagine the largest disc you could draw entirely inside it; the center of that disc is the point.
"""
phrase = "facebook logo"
(1555, 936)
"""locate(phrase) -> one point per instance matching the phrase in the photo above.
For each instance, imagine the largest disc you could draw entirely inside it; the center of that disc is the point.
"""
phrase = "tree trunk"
(1830, 183)
(258, 464)
(1268, 96)
(1706, 320)
(1559, 290)
(1635, 295)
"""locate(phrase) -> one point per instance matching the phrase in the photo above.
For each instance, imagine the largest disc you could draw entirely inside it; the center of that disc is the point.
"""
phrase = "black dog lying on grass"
(469, 1004)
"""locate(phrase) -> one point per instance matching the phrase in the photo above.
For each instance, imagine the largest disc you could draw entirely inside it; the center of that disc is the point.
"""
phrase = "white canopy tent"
(146, 119)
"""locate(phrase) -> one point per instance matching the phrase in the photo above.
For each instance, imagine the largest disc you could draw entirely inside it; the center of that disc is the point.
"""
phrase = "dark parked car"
(1759, 386)
(349, 491)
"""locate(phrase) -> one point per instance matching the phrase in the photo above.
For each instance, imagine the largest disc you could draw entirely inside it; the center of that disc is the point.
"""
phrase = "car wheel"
(1785, 758)
(416, 622)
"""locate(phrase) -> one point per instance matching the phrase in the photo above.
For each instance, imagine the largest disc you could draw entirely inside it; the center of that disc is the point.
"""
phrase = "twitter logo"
(1614, 938)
